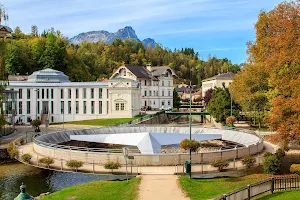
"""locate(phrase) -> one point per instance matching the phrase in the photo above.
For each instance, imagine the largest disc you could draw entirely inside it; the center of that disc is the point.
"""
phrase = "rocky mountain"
(107, 37)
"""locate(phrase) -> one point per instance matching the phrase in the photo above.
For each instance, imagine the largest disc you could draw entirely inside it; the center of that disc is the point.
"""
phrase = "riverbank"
(99, 190)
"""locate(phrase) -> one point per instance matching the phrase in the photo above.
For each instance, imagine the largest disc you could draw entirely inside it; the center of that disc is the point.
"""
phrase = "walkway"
(160, 187)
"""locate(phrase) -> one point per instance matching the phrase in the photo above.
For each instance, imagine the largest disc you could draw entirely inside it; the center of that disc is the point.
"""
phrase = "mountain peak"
(124, 33)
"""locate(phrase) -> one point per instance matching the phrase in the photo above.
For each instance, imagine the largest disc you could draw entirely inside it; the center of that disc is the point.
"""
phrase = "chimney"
(149, 67)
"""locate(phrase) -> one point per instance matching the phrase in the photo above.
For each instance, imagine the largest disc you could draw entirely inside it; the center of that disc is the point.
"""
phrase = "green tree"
(176, 99)
(219, 105)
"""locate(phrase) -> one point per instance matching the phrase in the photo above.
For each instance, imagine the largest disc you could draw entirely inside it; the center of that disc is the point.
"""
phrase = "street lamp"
(190, 124)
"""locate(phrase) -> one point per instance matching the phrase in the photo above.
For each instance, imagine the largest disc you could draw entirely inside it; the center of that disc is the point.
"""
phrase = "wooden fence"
(268, 185)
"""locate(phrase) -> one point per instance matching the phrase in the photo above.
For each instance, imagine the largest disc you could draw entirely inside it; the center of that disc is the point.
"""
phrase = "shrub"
(187, 144)
(280, 153)
(26, 157)
(267, 154)
(13, 153)
(36, 124)
(46, 161)
(21, 140)
(230, 120)
(249, 161)
(220, 164)
(16, 143)
(295, 169)
(271, 165)
(112, 165)
(74, 164)
(10, 146)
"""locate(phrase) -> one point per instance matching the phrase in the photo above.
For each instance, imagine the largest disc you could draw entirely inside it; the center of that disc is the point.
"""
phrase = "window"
(69, 93)
(107, 93)
(145, 82)
(169, 83)
(84, 107)
(52, 107)
(107, 107)
(51, 93)
(100, 107)
(84, 93)
(162, 93)
(62, 107)
(122, 106)
(61, 93)
(77, 93)
(162, 83)
(28, 93)
(150, 93)
(20, 107)
(38, 107)
(47, 94)
(153, 92)
(28, 107)
(52, 119)
(156, 93)
(117, 106)
(92, 107)
(169, 103)
(153, 102)
(77, 107)
(43, 95)
(124, 73)
(92, 93)
(100, 93)
(163, 103)
(69, 107)
(38, 93)
(169, 93)
(145, 93)
(20, 93)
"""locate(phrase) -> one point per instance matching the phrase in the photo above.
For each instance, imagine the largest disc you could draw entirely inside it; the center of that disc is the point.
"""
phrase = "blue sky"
(217, 27)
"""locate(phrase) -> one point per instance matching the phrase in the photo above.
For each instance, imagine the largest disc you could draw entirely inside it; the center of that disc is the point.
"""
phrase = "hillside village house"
(5, 32)
(50, 95)
(217, 81)
(156, 84)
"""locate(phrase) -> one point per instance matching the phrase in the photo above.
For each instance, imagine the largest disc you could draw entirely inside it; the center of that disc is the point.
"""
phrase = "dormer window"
(124, 72)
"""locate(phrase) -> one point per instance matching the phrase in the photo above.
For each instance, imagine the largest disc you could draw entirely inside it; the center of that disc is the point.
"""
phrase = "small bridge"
(187, 113)
(192, 106)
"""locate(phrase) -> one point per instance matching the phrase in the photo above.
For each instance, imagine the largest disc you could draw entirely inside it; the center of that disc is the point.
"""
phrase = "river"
(39, 181)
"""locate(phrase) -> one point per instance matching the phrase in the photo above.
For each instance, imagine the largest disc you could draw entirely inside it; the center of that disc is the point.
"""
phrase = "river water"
(39, 181)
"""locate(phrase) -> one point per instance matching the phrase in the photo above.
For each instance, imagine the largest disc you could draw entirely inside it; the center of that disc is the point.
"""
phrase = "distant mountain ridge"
(108, 38)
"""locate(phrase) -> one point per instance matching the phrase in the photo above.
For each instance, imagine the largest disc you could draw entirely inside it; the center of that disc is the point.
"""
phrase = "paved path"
(160, 187)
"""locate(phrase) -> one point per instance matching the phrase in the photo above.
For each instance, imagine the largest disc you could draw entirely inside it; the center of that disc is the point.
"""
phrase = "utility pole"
(190, 123)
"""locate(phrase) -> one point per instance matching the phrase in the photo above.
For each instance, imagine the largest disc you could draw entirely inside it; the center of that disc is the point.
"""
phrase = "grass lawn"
(99, 190)
(210, 188)
(103, 122)
(288, 195)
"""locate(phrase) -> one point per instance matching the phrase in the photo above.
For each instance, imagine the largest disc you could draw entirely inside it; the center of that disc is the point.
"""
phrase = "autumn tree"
(277, 49)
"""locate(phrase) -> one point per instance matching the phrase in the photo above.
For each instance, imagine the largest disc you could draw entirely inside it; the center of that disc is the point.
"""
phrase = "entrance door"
(45, 107)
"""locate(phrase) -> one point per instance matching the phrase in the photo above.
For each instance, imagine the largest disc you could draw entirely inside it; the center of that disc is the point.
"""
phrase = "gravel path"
(160, 187)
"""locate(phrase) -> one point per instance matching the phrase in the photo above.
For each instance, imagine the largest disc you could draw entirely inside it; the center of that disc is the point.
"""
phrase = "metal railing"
(268, 185)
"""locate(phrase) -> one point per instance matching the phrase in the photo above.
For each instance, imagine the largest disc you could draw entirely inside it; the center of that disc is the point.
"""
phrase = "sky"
(212, 27)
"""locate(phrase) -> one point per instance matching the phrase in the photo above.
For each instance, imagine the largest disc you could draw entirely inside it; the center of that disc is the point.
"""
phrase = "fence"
(6, 130)
(268, 185)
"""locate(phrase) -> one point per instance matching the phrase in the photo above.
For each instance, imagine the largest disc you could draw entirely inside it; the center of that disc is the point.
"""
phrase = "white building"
(217, 81)
(156, 84)
(49, 95)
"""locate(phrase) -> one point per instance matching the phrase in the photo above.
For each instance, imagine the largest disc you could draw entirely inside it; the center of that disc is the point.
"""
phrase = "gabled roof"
(147, 142)
(139, 71)
(161, 70)
(7, 28)
(225, 76)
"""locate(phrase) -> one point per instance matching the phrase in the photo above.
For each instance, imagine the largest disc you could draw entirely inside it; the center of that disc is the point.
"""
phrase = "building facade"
(156, 84)
(50, 96)
(217, 81)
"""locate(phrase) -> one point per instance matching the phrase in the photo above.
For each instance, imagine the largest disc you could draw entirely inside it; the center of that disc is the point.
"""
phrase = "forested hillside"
(89, 61)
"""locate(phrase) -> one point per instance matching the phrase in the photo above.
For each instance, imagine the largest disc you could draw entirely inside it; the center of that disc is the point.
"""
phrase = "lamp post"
(190, 125)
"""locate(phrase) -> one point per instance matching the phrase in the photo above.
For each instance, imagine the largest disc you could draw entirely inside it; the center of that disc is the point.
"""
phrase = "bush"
(13, 153)
(21, 140)
(267, 154)
(187, 144)
(220, 164)
(230, 120)
(74, 164)
(271, 165)
(295, 169)
(249, 161)
(36, 124)
(10, 146)
(46, 161)
(112, 165)
(280, 153)
(26, 157)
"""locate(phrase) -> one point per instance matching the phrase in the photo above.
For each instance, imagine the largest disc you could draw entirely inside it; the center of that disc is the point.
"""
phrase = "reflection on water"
(42, 181)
